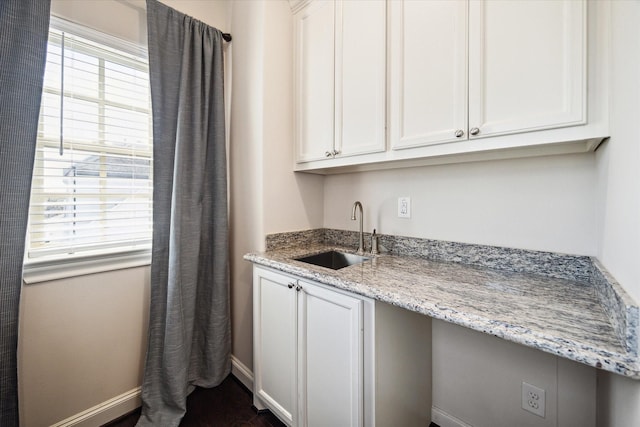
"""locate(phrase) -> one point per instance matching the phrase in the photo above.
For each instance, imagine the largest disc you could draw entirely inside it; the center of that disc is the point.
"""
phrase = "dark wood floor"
(228, 405)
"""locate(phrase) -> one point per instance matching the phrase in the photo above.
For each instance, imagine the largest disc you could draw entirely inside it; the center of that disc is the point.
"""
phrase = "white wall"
(266, 196)
(291, 201)
(543, 203)
(478, 380)
(619, 158)
(211, 12)
(82, 342)
(124, 19)
(245, 167)
(618, 164)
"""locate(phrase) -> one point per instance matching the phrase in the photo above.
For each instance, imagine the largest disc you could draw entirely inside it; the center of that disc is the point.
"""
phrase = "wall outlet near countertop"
(404, 207)
(533, 399)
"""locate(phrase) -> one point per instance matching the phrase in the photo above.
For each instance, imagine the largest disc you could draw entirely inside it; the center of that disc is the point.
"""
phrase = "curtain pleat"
(24, 27)
(189, 331)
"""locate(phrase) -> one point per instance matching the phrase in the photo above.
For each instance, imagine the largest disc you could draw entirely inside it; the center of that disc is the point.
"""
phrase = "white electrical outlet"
(533, 399)
(404, 207)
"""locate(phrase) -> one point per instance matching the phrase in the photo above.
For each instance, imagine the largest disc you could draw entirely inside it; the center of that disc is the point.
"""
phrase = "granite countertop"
(557, 315)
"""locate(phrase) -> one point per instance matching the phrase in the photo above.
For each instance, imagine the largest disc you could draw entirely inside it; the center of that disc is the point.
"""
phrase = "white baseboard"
(443, 419)
(241, 372)
(131, 400)
(105, 411)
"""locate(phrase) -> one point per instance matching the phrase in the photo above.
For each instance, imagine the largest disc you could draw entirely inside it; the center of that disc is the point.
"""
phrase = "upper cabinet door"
(314, 69)
(360, 77)
(428, 67)
(526, 65)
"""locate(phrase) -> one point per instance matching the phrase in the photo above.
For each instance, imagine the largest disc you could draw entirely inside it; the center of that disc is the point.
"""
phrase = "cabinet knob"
(298, 288)
(474, 131)
(335, 152)
(328, 154)
(291, 285)
(459, 133)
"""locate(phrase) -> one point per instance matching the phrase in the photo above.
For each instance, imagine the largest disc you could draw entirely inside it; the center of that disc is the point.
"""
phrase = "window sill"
(44, 271)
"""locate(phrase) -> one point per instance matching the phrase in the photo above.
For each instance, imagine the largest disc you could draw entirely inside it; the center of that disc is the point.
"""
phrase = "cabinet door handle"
(328, 154)
(291, 285)
(474, 131)
(335, 153)
(298, 288)
(459, 133)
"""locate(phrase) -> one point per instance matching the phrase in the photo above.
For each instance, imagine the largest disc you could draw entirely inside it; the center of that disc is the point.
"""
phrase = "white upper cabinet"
(315, 82)
(462, 70)
(527, 64)
(340, 72)
(454, 80)
(428, 77)
(360, 77)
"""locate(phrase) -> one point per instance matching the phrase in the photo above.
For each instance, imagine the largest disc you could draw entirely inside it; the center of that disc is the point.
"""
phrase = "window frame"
(103, 259)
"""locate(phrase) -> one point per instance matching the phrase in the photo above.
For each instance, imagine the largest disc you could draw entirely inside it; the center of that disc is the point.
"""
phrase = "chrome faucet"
(353, 218)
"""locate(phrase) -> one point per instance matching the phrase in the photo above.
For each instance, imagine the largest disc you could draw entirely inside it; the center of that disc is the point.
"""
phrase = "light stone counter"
(561, 316)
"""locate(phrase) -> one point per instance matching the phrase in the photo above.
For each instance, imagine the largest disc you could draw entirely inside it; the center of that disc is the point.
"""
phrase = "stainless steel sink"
(333, 259)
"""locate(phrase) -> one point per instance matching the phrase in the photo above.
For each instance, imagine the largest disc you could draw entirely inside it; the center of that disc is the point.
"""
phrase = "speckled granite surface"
(621, 310)
(583, 315)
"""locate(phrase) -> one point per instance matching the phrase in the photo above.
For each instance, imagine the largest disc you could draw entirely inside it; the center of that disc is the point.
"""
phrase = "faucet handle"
(374, 243)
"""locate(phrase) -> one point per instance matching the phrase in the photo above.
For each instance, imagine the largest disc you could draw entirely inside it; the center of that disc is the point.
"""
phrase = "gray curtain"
(24, 29)
(189, 331)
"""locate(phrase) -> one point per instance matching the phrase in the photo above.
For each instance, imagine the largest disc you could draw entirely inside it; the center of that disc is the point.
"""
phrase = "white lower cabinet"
(324, 357)
(274, 344)
(308, 351)
(330, 363)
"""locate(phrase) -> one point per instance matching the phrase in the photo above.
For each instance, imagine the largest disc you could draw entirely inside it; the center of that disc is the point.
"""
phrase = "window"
(92, 182)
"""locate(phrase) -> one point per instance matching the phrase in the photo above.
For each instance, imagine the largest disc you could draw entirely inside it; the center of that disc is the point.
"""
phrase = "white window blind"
(92, 182)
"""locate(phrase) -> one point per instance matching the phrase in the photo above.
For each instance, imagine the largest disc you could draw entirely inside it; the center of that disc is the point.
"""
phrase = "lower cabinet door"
(274, 323)
(330, 358)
